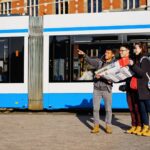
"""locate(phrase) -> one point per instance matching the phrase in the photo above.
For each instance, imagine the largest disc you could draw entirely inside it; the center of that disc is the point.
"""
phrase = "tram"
(62, 69)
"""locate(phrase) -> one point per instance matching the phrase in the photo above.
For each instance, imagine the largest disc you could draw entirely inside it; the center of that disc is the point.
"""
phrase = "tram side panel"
(62, 84)
(13, 62)
(60, 87)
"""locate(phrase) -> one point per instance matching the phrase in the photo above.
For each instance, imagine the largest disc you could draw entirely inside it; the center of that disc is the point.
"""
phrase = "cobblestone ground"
(65, 131)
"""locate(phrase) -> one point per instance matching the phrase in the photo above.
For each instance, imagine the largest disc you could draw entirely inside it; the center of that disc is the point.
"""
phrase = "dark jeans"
(133, 103)
(145, 109)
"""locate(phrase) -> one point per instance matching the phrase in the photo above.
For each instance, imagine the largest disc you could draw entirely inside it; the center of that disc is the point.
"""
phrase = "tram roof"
(14, 26)
(98, 23)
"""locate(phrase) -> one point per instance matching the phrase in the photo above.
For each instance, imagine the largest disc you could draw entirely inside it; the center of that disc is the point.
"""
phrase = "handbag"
(148, 84)
(133, 83)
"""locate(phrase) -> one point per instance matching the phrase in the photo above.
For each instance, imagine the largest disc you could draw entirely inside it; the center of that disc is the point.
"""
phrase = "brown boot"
(131, 130)
(144, 130)
(137, 130)
(95, 128)
(108, 129)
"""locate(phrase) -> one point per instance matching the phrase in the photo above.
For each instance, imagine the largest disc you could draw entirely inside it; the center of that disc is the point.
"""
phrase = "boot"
(144, 130)
(131, 130)
(108, 129)
(95, 128)
(147, 133)
(137, 130)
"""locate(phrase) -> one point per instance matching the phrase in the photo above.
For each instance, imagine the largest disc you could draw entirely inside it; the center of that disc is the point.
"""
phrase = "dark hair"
(142, 46)
(125, 45)
(113, 50)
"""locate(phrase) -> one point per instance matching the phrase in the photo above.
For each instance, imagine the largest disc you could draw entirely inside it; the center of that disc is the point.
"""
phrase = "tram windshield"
(65, 65)
(11, 60)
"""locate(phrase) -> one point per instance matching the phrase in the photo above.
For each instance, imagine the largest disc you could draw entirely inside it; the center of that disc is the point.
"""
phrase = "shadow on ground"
(86, 117)
(87, 120)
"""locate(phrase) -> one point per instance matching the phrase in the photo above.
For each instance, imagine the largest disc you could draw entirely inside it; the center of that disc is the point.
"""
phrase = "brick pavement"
(65, 131)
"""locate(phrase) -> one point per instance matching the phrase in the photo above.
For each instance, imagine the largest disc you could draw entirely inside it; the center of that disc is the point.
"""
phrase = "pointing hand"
(80, 52)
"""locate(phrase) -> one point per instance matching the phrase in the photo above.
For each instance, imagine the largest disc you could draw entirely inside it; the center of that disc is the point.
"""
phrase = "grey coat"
(100, 84)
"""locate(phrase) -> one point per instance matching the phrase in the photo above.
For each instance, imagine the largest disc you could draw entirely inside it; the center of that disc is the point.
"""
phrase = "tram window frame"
(91, 44)
(59, 60)
(83, 41)
(13, 66)
(138, 37)
(94, 51)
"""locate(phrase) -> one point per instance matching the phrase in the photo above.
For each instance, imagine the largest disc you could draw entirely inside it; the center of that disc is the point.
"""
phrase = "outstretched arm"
(92, 62)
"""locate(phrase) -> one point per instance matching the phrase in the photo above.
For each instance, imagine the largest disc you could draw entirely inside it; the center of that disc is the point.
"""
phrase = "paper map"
(115, 72)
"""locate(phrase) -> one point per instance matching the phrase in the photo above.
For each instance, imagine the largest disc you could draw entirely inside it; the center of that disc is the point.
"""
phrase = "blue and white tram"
(62, 87)
(14, 62)
(64, 34)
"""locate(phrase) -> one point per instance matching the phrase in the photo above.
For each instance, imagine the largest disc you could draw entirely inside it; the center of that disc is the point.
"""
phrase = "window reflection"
(12, 60)
(65, 65)
(59, 59)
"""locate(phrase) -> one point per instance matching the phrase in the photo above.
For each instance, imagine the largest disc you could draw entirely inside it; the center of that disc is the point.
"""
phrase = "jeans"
(107, 96)
(145, 109)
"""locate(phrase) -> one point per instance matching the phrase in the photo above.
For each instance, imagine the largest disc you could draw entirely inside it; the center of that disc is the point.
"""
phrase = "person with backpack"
(141, 68)
(102, 89)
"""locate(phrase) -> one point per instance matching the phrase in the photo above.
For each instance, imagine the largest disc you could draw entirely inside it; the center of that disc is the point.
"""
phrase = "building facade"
(44, 7)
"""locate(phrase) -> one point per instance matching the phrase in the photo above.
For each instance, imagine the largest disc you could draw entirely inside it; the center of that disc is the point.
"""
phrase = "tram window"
(59, 66)
(82, 71)
(65, 65)
(12, 60)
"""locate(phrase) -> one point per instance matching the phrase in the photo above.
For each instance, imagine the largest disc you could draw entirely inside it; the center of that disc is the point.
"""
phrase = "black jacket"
(140, 70)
